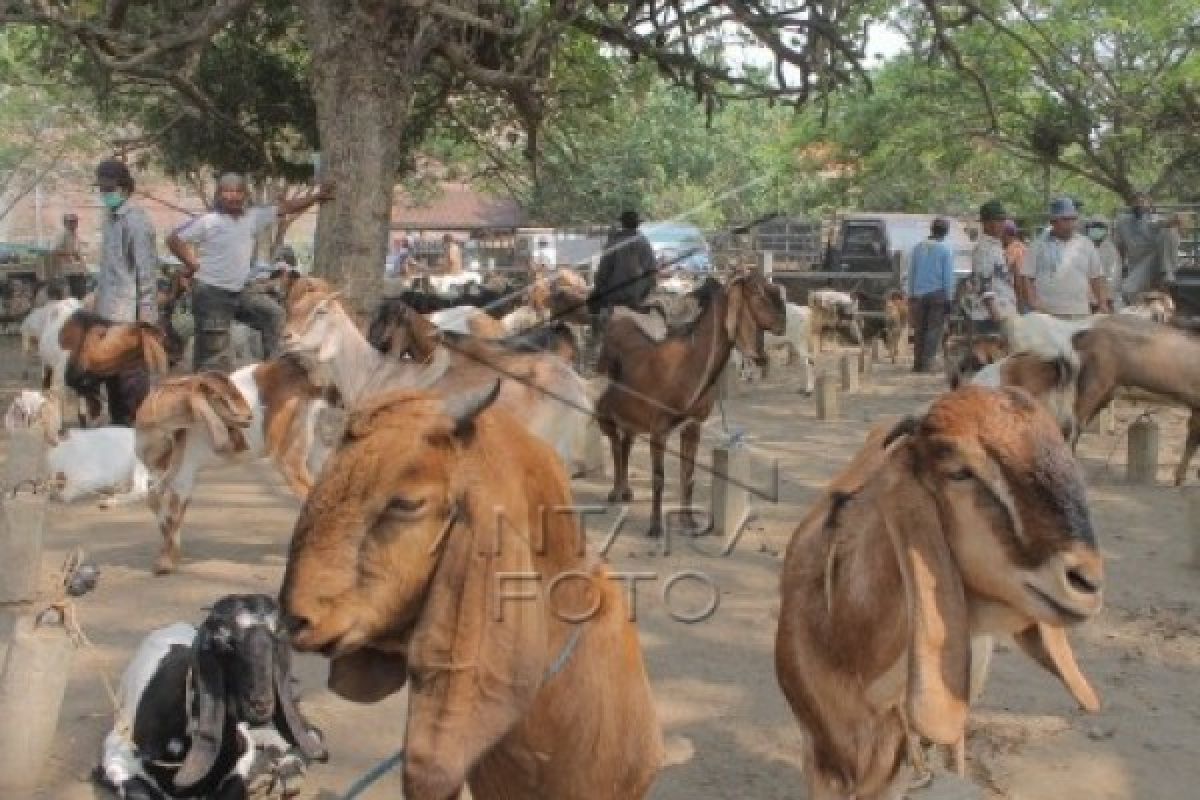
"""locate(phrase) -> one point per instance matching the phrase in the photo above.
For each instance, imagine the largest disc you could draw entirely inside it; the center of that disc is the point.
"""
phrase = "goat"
(1155, 306)
(469, 320)
(395, 572)
(1131, 352)
(539, 388)
(82, 461)
(1051, 381)
(964, 356)
(975, 516)
(895, 322)
(98, 348)
(190, 423)
(210, 712)
(829, 310)
(797, 340)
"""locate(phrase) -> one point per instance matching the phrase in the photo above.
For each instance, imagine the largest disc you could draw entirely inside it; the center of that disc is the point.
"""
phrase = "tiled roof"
(456, 206)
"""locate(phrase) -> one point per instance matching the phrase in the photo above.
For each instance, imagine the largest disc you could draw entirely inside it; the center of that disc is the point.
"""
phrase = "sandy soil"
(730, 732)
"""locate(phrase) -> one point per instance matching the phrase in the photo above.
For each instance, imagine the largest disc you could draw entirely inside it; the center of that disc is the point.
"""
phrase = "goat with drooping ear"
(975, 515)
(210, 712)
(428, 554)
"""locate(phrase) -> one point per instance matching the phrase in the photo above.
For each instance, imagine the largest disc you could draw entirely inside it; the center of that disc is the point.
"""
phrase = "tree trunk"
(360, 112)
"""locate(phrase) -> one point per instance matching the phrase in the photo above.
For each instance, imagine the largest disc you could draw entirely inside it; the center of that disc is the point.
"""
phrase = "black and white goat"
(210, 712)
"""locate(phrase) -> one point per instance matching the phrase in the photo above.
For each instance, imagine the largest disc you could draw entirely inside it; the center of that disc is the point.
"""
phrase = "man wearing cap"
(1149, 247)
(1063, 267)
(217, 251)
(931, 284)
(127, 284)
(993, 294)
(627, 269)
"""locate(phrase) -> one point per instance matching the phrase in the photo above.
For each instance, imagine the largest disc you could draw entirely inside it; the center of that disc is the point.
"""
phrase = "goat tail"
(153, 352)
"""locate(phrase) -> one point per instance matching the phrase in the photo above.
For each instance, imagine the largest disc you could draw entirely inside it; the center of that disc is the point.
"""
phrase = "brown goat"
(1125, 351)
(975, 516)
(895, 322)
(101, 348)
(426, 552)
(655, 387)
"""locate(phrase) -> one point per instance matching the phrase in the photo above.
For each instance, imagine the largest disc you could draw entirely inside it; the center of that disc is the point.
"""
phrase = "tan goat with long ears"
(430, 552)
(968, 521)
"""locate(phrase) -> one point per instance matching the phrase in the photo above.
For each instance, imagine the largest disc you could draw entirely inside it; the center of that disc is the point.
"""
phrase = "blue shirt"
(931, 269)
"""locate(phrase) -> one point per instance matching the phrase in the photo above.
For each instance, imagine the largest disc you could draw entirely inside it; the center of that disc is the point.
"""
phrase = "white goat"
(200, 421)
(84, 460)
(796, 338)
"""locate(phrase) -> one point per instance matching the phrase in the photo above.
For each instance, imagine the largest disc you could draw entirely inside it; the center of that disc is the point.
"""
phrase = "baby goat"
(210, 712)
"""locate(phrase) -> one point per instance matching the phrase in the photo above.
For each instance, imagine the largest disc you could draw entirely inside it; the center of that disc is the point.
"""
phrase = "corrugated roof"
(456, 206)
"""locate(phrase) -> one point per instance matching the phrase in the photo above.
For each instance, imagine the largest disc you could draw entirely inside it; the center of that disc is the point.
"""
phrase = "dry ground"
(730, 732)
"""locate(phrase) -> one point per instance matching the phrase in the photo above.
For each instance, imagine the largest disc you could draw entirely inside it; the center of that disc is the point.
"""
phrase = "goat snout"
(294, 624)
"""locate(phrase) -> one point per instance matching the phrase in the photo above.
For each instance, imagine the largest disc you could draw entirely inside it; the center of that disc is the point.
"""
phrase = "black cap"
(111, 170)
(630, 219)
(992, 210)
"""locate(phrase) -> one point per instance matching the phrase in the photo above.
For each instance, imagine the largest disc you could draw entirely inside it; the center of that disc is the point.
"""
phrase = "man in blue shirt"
(930, 293)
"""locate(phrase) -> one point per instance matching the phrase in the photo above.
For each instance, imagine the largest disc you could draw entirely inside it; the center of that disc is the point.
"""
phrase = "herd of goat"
(403, 440)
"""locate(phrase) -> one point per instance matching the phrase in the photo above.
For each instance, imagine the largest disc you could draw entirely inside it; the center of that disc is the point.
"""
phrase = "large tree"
(381, 68)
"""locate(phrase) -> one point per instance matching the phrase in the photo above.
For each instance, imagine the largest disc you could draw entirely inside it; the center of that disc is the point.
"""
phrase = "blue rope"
(396, 759)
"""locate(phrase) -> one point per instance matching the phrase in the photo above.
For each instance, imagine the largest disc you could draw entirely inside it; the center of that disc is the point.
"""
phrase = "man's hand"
(327, 190)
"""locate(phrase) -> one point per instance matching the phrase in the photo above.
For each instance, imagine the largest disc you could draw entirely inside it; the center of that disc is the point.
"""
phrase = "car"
(680, 245)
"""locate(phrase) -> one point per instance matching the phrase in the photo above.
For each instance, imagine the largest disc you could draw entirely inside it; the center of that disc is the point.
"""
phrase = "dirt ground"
(730, 733)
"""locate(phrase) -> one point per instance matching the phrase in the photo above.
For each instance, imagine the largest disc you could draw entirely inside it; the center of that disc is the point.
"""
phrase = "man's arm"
(305, 201)
(179, 242)
(1096, 279)
(145, 261)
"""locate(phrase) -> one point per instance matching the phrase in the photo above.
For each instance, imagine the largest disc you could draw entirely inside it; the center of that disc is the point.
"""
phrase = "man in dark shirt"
(627, 269)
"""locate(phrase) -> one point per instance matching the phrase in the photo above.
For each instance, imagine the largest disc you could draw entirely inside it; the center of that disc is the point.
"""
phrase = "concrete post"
(865, 365)
(730, 498)
(827, 397)
(32, 685)
(768, 263)
(1143, 452)
(26, 459)
(22, 522)
(849, 371)
(875, 351)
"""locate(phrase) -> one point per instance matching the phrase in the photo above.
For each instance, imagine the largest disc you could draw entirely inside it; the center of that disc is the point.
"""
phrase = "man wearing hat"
(1149, 247)
(992, 293)
(1063, 267)
(127, 284)
(217, 251)
(627, 269)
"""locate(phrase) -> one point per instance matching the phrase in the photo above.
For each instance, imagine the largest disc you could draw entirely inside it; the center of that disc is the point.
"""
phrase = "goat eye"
(961, 474)
(405, 505)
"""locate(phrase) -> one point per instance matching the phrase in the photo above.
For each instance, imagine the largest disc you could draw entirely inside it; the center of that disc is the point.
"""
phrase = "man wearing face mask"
(1149, 248)
(1096, 229)
(126, 286)
(217, 251)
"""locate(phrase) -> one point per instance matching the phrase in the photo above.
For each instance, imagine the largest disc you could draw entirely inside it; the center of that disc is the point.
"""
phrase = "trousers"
(214, 310)
(928, 320)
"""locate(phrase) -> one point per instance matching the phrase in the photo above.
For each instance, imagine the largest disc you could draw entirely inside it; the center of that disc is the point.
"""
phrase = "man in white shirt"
(992, 292)
(1063, 267)
(217, 250)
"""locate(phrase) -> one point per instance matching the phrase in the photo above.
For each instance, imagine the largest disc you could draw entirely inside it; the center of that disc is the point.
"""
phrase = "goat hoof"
(165, 564)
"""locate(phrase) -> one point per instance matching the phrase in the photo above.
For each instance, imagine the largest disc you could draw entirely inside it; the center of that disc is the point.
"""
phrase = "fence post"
(768, 263)
(849, 371)
(827, 397)
(730, 497)
(1142, 467)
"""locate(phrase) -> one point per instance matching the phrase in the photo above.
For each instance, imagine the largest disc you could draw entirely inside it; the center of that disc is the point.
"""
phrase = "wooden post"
(827, 397)
(32, 685)
(849, 371)
(1193, 522)
(1142, 466)
(730, 498)
(22, 522)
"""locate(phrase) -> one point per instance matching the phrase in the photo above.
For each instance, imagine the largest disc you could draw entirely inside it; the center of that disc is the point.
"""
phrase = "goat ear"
(1048, 645)
(905, 427)
(475, 659)
(288, 719)
(939, 656)
(464, 408)
(206, 717)
(199, 401)
(152, 350)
